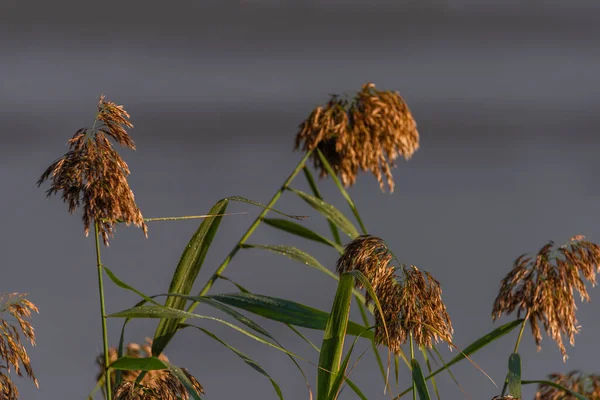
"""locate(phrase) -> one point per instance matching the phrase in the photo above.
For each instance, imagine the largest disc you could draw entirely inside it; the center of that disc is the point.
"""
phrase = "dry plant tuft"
(584, 384)
(94, 174)
(412, 305)
(543, 288)
(12, 350)
(367, 133)
(158, 384)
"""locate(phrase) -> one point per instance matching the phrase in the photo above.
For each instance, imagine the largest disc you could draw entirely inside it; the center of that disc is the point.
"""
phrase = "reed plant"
(401, 305)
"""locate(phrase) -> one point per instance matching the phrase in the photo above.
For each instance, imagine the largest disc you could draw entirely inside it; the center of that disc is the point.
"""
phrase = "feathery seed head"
(367, 133)
(542, 287)
(92, 173)
(157, 384)
(411, 305)
(12, 351)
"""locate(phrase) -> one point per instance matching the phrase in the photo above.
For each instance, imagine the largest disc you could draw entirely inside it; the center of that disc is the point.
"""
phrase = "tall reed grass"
(401, 306)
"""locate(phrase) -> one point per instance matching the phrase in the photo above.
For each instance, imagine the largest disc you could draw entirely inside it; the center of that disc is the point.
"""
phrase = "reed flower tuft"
(368, 133)
(12, 351)
(542, 288)
(587, 385)
(156, 385)
(92, 173)
(411, 304)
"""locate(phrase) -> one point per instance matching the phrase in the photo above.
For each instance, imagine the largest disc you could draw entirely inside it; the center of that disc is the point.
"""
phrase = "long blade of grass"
(557, 386)
(299, 230)
(456, 382)
(172, 313)
(286, 311)
(253, 364)
(293, 253)
(356, 390)
(514, 375)
(341, 376)
(125, 286)
(426, 358)
(473, 348)
(313, 186)
(419, 380)
(333, 338)
(257, 204)
(186, 273)
(342, 190)
(329, 212)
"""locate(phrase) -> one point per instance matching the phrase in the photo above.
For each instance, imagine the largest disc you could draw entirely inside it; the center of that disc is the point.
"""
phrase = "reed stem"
(107, 382)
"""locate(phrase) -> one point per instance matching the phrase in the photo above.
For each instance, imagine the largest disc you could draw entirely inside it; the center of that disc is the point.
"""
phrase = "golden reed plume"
(367, 133)
(93, 174)
(542, 288)
(12, 351)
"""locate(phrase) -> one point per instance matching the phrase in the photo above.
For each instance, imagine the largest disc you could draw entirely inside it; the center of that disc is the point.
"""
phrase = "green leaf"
(255, 365)
(123, 285)
(186, 273)
(257, 204)
(293, 253)
(514, 375)
(315, 190)
(473, 348)
(356, 389)
(419, 380)
(341, 377)
(172, 313)
(333, 339)
(299, 230)
(127, 363)
(557, 386)
(329, 212)
(285, 311)
(426, 358)
(343, 191)
(480, 343)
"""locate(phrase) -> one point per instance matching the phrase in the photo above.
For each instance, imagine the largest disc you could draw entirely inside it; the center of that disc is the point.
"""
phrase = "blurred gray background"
(505, 94)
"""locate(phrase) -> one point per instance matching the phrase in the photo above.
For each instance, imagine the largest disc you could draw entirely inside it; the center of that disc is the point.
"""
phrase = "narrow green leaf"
(127, 363)
(557, 386)
(473, 348)
(341, 377)
(356, 390)
(285, 311)
(293, 253)
(186, 273)
(313, 186)
(123, 285)
(419, 380)
(514, 375)
(255, 365)
(480, 343)
(172, 313)
(426, 358)
(299, 230)
(330, 212)
(333, 338)
(185, 381)
(257, 204)
(342, 190)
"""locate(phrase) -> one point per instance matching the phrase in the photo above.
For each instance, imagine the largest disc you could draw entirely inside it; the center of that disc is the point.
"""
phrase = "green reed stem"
(412, 357)
(190, 217)
(251, 229)
(505, 386)
(102, 313)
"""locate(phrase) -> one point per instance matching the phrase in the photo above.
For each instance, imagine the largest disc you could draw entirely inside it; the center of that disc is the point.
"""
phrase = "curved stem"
(412, 357)
(251, 229)
(107, 382)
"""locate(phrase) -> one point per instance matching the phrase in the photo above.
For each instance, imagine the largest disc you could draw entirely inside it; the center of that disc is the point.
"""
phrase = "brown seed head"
(157, 384)
(368, 133)
(543, 287)
(587, 385)
(411, 305)
(92, 173)
(12, 351)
